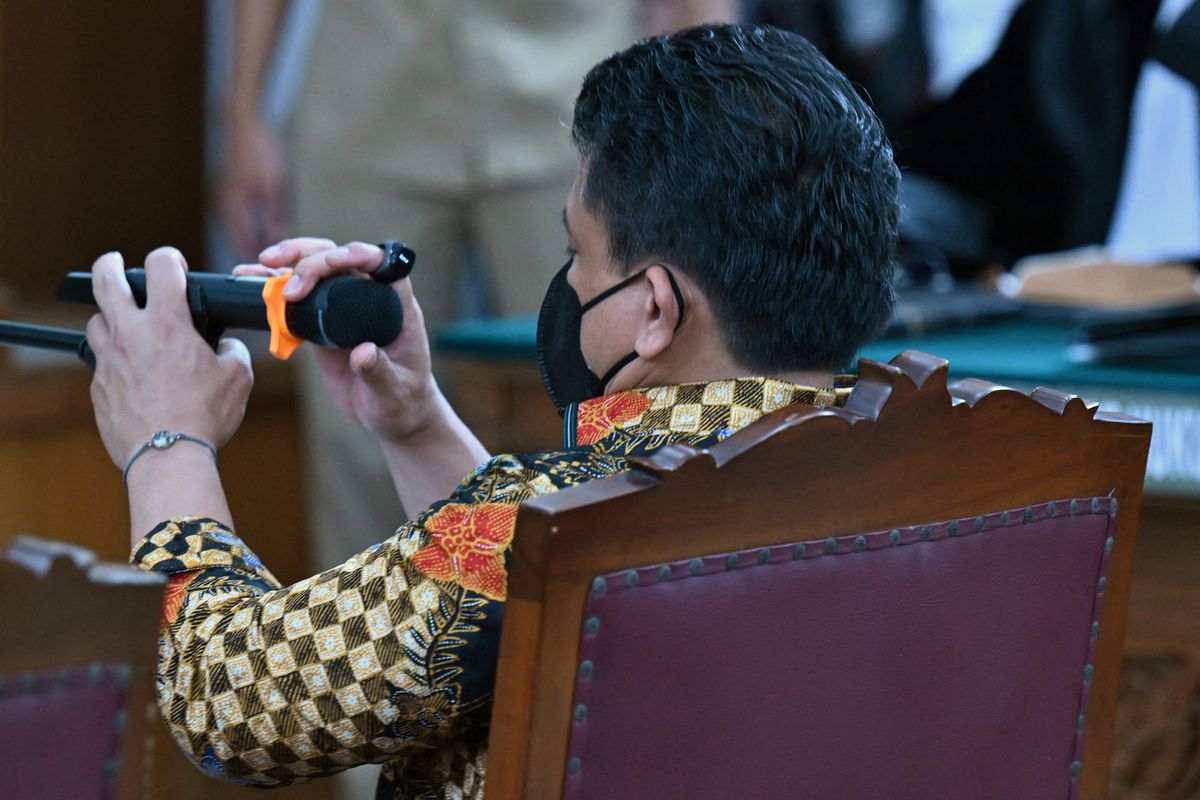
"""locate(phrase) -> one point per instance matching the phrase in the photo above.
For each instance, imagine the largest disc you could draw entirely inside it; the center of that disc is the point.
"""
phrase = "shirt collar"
(693, 409)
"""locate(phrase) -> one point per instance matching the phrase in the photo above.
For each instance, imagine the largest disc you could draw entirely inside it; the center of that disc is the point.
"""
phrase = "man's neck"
(712, 363)
(816, 378)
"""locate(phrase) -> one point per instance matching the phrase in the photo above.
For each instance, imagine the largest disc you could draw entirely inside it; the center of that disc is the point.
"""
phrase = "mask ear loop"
(610, 291)
(678, 298)
(620, 365)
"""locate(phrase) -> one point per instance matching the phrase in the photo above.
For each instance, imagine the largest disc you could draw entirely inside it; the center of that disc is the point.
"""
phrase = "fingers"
(257, 271)
(232, 353)
(354, 257)
(166, 283)
(109, 286)
(289, 251)
(97, 333)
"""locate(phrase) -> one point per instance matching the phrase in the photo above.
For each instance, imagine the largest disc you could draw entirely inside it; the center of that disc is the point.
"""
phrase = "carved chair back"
(922, 594)
(77, 658)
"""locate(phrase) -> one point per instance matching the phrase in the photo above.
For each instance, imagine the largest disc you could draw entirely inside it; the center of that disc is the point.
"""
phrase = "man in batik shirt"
(730, 232)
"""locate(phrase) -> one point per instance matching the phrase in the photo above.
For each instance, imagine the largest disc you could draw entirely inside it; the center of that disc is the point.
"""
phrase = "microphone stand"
(45, 337)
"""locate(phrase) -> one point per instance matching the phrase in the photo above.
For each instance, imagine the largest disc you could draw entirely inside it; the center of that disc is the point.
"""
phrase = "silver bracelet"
(163, 440)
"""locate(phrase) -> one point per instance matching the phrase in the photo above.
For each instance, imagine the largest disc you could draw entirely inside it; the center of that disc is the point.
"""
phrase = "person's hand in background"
(252, 186)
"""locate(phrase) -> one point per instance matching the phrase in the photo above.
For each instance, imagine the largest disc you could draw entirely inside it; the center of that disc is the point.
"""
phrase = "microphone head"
(345, 311)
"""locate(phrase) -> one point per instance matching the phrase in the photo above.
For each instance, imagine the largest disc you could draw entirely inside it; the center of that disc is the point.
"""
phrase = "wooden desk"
(498, 391)
(58, 482)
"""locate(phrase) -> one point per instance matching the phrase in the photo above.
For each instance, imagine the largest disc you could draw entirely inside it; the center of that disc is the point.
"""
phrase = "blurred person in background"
(1028, 126)
(1081, 128)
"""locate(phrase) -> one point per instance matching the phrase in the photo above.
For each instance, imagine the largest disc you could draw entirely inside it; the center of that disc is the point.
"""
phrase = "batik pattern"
(391, 657)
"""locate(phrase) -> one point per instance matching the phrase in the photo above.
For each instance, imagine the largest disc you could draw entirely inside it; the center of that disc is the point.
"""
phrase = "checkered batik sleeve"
(364, 663)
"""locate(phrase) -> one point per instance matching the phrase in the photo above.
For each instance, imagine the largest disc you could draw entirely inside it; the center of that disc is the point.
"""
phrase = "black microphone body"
(342, 311)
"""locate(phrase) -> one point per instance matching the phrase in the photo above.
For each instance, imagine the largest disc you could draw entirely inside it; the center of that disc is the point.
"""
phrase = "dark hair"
(739, 154)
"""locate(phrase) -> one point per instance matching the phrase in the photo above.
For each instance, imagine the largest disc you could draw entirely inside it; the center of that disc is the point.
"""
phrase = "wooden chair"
(921, 595)
(77, 659)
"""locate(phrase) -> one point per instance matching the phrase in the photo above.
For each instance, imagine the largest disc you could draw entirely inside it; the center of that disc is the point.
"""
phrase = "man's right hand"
(389, 390)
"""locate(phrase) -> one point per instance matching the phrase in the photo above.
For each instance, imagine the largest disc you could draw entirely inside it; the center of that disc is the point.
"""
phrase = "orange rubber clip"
(283, 341)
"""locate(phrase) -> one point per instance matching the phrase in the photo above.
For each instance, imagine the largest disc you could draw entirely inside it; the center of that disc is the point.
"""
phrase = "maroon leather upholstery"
(942, 661)
(60, 732)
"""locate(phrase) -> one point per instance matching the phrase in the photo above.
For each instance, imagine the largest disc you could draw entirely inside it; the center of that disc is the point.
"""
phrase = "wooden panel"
(101, 134)
(505, 404)
(1156, 750)
(57, 482)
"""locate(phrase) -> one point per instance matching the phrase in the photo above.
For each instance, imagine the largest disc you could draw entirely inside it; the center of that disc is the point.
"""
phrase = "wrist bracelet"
(163, 440)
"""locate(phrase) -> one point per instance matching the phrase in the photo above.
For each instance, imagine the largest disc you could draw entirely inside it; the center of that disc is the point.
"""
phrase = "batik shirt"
(391, 657)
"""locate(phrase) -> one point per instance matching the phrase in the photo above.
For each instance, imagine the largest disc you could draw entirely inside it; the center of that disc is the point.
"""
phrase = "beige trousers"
(517, 230)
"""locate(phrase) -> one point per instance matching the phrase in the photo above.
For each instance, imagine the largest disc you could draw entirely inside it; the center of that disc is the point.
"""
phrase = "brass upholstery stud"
(664, 572)
(798, 551)
(894, 537)
(592, 625)
(632, 579)
(764, 556)
(585, 668)
(860, 543)
(830, 546)
(695, 566)
(574, 765)
(733, 561)
(599, 585)
(580, 712)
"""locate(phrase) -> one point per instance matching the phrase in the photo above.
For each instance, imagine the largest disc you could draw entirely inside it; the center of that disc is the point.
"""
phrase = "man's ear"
(660, 315)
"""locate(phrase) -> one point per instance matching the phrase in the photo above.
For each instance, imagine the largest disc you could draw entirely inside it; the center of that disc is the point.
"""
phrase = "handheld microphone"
(342, 311)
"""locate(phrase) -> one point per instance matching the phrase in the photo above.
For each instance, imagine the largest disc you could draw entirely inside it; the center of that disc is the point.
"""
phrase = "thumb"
(372, 365)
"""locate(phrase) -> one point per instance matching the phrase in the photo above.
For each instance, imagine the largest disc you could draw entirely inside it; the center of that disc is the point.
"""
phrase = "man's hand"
(389, 390)
(153, 370)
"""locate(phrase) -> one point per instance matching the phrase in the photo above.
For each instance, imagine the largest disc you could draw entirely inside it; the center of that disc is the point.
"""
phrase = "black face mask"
(564, 370)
